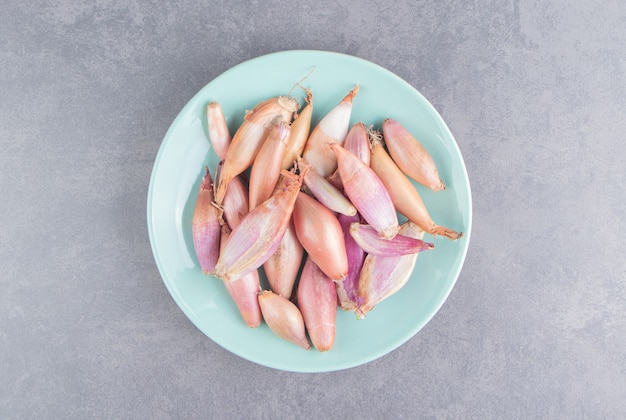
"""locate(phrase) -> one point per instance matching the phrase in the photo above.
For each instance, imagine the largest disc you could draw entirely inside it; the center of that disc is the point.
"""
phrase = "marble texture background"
(535, 94)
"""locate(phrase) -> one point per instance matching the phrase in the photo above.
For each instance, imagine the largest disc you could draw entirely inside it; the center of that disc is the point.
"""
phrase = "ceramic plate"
(178, 170)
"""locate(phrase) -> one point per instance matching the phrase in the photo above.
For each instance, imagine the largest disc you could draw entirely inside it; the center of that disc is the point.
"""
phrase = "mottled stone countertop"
(535, 95)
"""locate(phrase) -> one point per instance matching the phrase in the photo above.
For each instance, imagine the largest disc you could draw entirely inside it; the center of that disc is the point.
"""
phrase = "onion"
(368, 239)
(382, 276)
(347, 289)
(325, 192)
(267, 164)
(219, 136)
(249, 137)
(300, 130)
(284, 318)
(331, 129)
(367, 193)
(258, 235)
(235, 203)
(205, 226)
(282, 267)
(244, 292)
(321, 236)
(410, 156)
(317, 300)
(405, 197)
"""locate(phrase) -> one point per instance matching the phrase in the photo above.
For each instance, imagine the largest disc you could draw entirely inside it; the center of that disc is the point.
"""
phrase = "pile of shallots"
(330, 197)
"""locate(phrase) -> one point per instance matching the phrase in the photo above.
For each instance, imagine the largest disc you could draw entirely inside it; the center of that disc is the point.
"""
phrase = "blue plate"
(185, 151)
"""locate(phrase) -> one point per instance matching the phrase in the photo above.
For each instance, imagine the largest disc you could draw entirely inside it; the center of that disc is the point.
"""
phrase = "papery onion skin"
(205, 226)
(284, 318)
(347, 289)
(411, 156)
(248, 139)
(258, 235)
(219, 135)
(332, 128)
(403, 193)
(367, 193)
(317, 300)
(321, 236)
(381, 276)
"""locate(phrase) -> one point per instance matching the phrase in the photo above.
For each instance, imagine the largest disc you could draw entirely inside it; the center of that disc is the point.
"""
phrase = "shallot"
(368, 239)
(317, 300)
(331, 129)
(205, 226)
(321, 236)
(347, 289)
(366, 192)
(357, 142)
(411, 156)
(282, 267)
(284, 318)
(325, 192)
(235, 205)
(244, 292)
(300, 130)
(219, 135)
(267, 164)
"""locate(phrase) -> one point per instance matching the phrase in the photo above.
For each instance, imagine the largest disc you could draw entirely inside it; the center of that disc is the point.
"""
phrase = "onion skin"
(381, 276)
(219, 135)
(404, 195)
(347, 289)
(411, 156)
(244, 292)
(267, 164)
(333, 128)
(282, 267)
(284, 318)
(317, 300)
(205, 226)
(300, 130)
(367, 238)
(248, 139)
(367, 193)
(258, 235)
(321, 236)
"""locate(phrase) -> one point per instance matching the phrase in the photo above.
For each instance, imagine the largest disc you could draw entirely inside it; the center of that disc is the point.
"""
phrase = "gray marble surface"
(535, 94)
